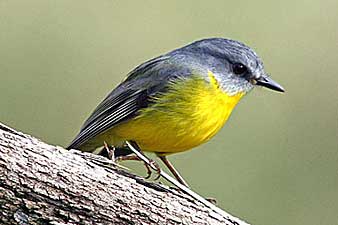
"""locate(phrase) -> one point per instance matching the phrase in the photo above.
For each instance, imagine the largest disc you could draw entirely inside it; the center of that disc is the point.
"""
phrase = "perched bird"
(176, 101)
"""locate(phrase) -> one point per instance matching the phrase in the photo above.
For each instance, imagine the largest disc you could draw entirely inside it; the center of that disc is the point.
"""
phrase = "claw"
(157, 168)
(134, 157)
(139, 156)
(148, 171)
(212, 200)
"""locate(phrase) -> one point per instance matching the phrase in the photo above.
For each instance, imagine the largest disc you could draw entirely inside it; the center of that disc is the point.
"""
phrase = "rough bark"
(45, 184)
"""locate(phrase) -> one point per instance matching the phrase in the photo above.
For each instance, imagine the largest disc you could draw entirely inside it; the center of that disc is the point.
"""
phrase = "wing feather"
(127, 99)
(106, 119)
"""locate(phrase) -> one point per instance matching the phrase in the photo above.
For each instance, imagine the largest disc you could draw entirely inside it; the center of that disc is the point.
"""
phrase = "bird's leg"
(173, 170)
(158, 168)
(109, 150)
(152, 164)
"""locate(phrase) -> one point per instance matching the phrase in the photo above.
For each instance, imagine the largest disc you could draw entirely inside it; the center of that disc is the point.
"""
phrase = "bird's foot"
(149, 167)
(154, 165)
(110, 151)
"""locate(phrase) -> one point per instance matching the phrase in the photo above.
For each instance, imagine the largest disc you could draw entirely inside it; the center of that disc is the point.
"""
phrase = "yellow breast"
(189, 114)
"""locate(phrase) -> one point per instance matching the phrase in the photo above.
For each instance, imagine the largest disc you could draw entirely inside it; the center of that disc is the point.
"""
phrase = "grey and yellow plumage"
(175, 101)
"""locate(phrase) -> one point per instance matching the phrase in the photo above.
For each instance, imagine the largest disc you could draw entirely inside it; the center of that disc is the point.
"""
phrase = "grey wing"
(136, 80)
(127, 99)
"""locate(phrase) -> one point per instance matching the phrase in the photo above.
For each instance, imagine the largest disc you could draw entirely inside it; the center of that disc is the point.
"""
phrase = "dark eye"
(239, 68)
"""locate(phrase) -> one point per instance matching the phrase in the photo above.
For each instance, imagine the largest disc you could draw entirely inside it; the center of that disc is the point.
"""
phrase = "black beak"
(267, 82)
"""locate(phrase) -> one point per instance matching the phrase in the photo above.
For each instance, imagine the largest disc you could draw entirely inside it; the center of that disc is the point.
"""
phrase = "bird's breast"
(191, 112)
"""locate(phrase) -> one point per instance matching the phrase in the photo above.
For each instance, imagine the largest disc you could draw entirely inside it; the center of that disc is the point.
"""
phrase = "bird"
(176, 101)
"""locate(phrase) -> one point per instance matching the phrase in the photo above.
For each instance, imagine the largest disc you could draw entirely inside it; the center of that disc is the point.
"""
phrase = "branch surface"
(45, 184)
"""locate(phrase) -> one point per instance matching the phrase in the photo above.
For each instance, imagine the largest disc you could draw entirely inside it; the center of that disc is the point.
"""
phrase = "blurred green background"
(276, 160)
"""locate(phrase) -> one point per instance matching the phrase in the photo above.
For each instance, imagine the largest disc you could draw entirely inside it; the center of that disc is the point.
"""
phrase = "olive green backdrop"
(275, 162)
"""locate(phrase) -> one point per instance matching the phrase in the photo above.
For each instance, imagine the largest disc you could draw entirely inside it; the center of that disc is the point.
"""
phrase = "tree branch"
(44, 184)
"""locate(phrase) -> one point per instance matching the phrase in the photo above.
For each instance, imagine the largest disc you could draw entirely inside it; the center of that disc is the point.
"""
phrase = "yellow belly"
(189, 114)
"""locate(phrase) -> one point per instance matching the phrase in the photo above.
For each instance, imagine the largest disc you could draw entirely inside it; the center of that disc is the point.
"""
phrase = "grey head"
(236, 67)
